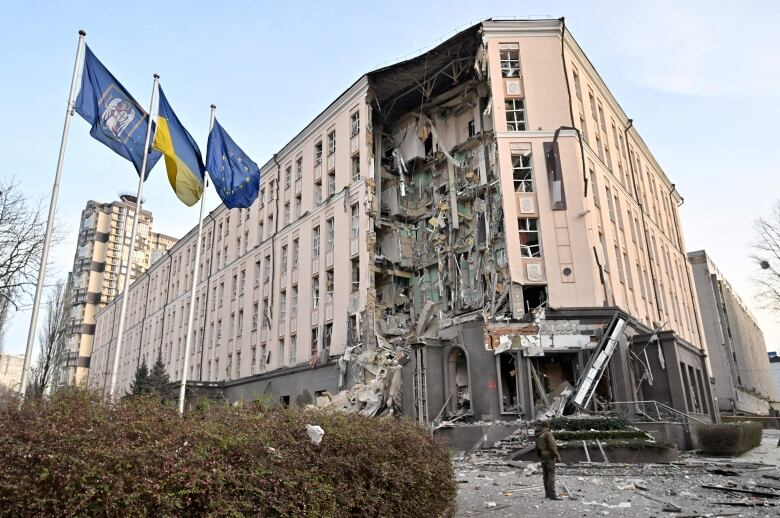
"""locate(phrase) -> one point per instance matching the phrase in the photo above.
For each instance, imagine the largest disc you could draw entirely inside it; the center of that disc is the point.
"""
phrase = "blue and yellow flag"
(235, 176)
(182, 156)
(117, 119)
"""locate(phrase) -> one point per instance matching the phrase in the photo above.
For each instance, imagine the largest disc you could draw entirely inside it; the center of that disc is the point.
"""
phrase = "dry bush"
(74, 455)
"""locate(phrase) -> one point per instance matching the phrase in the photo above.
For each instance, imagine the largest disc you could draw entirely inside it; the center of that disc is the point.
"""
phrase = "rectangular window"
(282, 306)
(592, 105)
(329, 286)
(584, 128)
(234, 285)
(260, 232)
(355, 221)
(255, 314)
(529, 237)
(293, 350)
(315, 292)
(241, 281)
(355, 168)
(298, 205)
(315, 242)
(295, 254)
(601, 118)
(284, 259)
(619, 261)
(299, 169)
(509, 55)
(240, 329)
(610, 204)
(331, 142)
(331, 183)
(515, 115)
(267, 268)
(238, 365)
(355, 275)
(594, 188)
(629, 278)
(288, 177)
(577, 88)
(331, 234)
(257, 273)
(522, 172)
(318, 153)
(315, 342)
(287, 213)
(618, 212)
(354, 123)
(294, 301)
(326, 336)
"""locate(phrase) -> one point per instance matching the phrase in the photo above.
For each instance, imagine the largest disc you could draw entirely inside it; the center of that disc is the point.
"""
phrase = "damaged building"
(477, 233)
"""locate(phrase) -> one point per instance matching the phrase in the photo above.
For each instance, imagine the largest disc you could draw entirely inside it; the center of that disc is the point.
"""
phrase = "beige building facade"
(481, 214)
(11, 366)
(97, 276)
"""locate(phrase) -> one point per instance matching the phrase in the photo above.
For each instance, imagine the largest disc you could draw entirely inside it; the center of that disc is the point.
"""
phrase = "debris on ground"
(315, 433)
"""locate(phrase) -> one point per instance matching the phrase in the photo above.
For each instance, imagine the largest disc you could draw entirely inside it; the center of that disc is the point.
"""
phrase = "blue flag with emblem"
(118, 121)
(235, 176)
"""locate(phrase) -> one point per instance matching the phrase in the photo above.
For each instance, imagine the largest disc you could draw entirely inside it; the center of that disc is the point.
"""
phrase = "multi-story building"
(481, 221)
(11, 370)
(737, 351)
(98, 272)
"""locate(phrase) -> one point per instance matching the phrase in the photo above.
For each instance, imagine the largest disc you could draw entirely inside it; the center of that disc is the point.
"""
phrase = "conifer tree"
(140, 385)
(158, 377)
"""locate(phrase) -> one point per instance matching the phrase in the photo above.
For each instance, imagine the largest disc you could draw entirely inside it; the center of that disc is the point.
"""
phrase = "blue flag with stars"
(117, 120)
(235, 176)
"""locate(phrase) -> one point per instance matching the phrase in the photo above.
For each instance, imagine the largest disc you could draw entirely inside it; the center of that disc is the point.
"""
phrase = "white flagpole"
(188, 338)
(133, 233)
(50, 222)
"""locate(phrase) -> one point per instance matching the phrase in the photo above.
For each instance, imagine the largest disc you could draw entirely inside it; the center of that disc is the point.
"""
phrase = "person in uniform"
(548, 453)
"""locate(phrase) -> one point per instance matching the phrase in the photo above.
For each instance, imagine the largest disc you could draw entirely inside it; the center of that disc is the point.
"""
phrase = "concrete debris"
(315, 433)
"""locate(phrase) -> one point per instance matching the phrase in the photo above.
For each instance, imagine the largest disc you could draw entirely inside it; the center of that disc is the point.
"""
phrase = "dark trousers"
(548, 473)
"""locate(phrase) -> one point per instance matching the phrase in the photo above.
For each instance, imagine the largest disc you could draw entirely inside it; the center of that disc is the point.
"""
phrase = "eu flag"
(118, 121)
(236, 177)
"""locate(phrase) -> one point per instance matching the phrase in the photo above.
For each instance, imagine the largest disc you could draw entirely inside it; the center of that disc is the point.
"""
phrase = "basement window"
(510, 59)
(515, 115)
(522, 172)
(529, 237)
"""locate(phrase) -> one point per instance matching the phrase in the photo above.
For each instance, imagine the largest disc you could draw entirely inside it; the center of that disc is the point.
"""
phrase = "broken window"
(282, 306)
(354, 123)
(326, 336)
(331, 142)
(509, 54)
(284, 259)
(315, 342)
(331, 183)
(287, 213)
(460, 391)
(295, 254)
(298, 204)
(259, 234)
(355, 275)
(255, 314)
(329, 286)
(355, 221)
(529, 237)
(534, 296)
(317, 192)
(509, 382)
(355, 168)
(522, 172)
(267, 268)
(318, 153)
(515, 114)
(610, 204)
(241, 282)
(331, 237)
(298, 168)
(315, 292)
(240, 323)
(592, 105)
(619, 261)
(294, 301)
(315, 247)
(288, 177)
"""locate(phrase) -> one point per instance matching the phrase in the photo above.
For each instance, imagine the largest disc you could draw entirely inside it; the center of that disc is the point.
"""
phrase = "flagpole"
(133, 233)
(50, 222)
(188, 336)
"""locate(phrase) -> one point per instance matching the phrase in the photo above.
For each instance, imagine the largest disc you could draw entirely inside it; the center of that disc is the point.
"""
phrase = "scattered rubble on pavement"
(748, 486)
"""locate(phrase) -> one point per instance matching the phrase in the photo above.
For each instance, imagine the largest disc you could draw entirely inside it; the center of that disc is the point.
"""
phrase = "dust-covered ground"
(491, 487)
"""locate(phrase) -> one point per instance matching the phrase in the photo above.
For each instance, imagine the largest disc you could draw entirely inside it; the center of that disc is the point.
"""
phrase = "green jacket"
(545, 445)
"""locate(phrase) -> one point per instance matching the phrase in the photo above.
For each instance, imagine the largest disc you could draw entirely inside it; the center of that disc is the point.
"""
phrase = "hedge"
(573, 424)
(74, 455)
(728, 439)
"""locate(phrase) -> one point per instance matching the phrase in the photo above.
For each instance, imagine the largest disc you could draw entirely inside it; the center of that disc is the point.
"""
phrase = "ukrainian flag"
(182, 156)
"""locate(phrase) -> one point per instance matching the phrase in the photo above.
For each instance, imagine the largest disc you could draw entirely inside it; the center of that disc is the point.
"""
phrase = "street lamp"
(766, 266)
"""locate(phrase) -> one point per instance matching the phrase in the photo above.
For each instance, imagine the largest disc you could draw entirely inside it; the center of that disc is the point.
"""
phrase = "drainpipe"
(273, 239)
(644, 225)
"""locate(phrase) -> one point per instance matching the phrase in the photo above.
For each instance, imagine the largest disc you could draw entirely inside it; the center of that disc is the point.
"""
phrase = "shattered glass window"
(355, 221)
(317, 153)
(298, 168)
(331, 143)
(510, 61)
(355, 123)
(522, 173)
(315, 293)
(316, 242)
(515, 115)
(529, 237)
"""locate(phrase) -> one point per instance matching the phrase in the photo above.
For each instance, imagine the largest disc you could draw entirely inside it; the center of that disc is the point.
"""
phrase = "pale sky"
(700, 80)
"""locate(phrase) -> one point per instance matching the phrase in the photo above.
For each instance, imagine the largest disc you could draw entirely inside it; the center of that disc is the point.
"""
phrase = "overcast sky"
(700, 80)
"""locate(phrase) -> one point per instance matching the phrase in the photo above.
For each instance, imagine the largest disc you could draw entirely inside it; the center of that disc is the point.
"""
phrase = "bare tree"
(22, 228)
(52, 339)
(767, 256)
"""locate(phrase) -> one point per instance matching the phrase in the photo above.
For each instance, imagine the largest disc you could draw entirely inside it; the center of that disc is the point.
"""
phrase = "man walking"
(548, 453)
